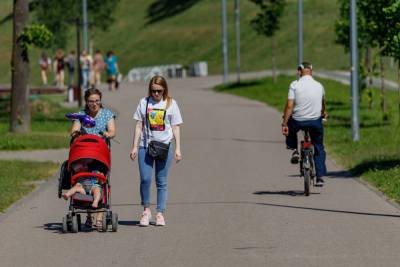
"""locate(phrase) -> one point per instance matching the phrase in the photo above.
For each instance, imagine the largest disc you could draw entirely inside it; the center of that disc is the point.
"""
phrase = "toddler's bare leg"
(96, 196)
(76, 188)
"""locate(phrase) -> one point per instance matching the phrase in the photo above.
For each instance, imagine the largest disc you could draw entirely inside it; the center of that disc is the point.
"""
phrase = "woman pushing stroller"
(104, 118)
(104, 127)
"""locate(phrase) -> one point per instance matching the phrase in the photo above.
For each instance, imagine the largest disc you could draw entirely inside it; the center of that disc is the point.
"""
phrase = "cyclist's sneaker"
(295, 157)
(320, 181)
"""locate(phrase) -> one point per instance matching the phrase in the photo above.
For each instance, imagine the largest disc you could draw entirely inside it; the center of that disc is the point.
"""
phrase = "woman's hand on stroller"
(134, 153)
(106, 134)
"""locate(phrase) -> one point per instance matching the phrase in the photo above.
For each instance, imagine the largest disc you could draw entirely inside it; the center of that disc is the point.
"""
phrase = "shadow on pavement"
(339, 174)
(205, 203)
(163, 9)
(331, 210)
(284, 193)
(129, 223)
(374, 164)
(57, 228)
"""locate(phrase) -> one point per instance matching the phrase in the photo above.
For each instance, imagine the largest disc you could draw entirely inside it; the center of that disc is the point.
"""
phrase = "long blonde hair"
(160, 80)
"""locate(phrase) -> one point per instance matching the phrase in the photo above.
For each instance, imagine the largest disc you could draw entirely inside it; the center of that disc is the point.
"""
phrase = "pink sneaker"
(160, 221)
(145, 219)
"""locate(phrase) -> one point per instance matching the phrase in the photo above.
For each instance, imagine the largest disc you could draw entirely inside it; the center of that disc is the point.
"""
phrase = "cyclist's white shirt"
(307, 94)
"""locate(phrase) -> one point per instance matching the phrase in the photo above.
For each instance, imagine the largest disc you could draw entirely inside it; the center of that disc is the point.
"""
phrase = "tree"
(23, 37)
(376, 28)
(266, 23)
(392, 42)
(342, 30)
(372, 29)
(20, 112)
(57, 16)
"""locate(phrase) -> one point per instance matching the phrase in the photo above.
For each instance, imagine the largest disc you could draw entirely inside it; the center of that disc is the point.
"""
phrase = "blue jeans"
(316, 131)
(85, 78)
(146, 163)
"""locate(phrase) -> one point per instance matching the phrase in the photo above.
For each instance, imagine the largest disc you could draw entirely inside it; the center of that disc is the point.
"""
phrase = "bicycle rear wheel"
(307, 181)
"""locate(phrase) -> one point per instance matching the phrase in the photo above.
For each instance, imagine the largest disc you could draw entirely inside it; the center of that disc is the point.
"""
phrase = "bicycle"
(307, 165)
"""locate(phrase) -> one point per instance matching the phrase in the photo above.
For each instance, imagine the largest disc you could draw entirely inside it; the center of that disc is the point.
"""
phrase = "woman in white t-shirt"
(158, 122)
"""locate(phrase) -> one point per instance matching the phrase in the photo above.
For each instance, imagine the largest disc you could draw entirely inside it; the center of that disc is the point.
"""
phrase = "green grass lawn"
(49, 126)
(17, 178)
(376, 157)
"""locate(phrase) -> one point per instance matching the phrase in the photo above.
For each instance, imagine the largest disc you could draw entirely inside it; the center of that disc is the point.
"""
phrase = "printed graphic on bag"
(156, 119)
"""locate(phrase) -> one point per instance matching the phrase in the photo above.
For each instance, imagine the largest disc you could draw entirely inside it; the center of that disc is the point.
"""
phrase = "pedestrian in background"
(59, 67)
(44, 63)
(98, 67)
(158, 122)
(112, 70)
(86, 62)
(71, 60)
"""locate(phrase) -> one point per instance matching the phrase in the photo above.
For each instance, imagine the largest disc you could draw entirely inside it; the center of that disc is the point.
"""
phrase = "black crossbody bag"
(157, 150)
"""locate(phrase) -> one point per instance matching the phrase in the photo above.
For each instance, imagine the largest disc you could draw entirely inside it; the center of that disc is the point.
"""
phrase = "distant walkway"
(53, 155)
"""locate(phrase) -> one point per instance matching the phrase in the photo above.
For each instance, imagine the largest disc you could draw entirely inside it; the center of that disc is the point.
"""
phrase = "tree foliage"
(267, 20)
(36, 35)
(58, 16)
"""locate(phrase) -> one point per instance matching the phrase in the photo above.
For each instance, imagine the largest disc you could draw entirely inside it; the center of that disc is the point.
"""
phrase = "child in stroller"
(86, 176)
(85, 185)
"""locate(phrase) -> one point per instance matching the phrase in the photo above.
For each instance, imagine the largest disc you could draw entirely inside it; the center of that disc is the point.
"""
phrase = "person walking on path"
(105, 127)
(305, 109)
(112, 70)
(59, 62)
(158, 122)
(71, 59)
(98, 67)
(44, 63)
(86, 62)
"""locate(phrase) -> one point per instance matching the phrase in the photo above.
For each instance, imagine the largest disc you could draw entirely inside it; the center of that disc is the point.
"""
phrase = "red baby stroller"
(92, 149)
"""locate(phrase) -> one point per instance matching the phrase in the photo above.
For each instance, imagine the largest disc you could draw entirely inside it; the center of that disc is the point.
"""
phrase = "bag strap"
(169, 102)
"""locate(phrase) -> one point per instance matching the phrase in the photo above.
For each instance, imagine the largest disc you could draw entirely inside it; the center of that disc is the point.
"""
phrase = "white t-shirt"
(307, 94)
(159, 120)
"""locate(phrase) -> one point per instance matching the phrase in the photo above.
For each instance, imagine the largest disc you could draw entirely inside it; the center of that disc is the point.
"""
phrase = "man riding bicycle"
(305, 109)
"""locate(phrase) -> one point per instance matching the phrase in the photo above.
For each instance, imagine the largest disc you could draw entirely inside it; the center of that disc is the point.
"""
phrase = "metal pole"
(299, 31)
(354, 71)
(78, 61)
(224, 41)
(237, 24)
(85, 26)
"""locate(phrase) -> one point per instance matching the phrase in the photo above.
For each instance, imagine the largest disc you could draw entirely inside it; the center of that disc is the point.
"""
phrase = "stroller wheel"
(104, 223)
(75, 227)
(79, 222)
(65, 224)
(114, 222)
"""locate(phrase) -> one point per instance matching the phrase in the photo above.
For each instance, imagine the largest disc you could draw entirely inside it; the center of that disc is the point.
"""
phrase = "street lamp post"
(354, 71)
(78, 63)
(299, 31)
(224, 41)
(85, 26)
(237, 27)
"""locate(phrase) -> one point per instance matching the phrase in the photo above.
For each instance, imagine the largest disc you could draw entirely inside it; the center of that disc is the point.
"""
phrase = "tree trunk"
(20, 111)
(273, 59)
(368, 64)
(383, 100)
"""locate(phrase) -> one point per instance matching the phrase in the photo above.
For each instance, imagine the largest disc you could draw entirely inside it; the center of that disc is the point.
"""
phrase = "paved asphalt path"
(234, 200)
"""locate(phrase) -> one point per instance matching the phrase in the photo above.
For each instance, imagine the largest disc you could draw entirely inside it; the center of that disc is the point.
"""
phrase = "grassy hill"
(192, 32)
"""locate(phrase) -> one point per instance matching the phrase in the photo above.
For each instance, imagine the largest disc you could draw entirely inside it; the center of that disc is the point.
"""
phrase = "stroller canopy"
(92, 147)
